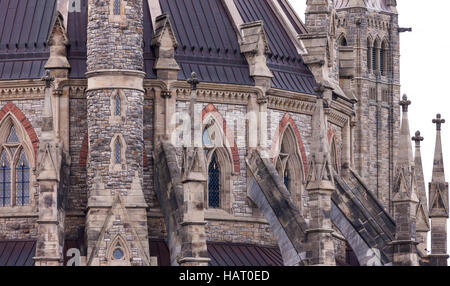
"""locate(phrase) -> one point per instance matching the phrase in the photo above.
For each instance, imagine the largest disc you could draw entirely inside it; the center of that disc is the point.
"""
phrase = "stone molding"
(115, 79)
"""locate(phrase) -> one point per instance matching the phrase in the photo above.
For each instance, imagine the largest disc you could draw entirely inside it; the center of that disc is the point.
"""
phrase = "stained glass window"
(117, 112)
(117, 152)
(116, 7)
(214, 183)
(5, 181)
(22, 181)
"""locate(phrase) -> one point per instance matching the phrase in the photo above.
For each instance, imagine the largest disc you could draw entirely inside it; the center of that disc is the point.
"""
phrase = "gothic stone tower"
(116, 227)
(368, 40)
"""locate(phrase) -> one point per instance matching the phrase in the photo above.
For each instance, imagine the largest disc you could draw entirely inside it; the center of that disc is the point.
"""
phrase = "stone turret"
(320, 187)
(405, 199)
(439, 203)
(116, 223)
(422, 222)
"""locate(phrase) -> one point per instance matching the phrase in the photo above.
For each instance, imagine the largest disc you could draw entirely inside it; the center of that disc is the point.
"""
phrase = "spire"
(405, 156)
(405, 200)
(420, 181)
(438, 203)
(438, 165)
(422, 219)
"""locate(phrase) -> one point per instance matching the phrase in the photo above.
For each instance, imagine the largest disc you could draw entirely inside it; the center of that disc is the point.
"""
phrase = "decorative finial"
(48, 79)
(417, 138)
(438, 121)
(193, 81)
(405, 103)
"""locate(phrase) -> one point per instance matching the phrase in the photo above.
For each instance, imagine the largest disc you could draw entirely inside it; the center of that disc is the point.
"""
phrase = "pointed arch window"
(369, 55)
(289, 165)
(219, 165)
(118, 106)
(15, 174)
(374, 57)
(117, 152)
(214, 183)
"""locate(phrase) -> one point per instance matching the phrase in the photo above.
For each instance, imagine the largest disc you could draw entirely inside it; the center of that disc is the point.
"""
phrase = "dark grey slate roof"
(24, 30)
(207, 41)
(286, 64)
(17, 252)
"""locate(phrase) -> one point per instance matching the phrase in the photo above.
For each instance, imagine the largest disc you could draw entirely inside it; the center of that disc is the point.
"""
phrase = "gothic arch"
(218, 152)
(210, 112)
(14, 112)
(286, 122)
(342, 40)
(118, 147)
(289, 163)
(118, 253)
(334, 150)
(18, 155)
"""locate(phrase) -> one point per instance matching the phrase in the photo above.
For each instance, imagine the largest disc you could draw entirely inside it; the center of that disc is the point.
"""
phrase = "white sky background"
(425, 58)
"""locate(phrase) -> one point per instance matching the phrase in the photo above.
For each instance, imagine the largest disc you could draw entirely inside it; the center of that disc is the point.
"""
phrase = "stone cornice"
(21, 89)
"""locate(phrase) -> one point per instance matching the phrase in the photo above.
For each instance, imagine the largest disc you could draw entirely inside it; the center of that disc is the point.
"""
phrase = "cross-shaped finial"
(48, 79)
(193, 81)
(438, 121)
(405, 103)
(417, 138)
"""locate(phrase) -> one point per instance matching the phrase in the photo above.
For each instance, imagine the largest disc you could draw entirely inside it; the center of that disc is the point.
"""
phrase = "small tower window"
(22, 181)
(118, 106)
(117, 152)
(117, 7)
(374, 58)
(214, 183)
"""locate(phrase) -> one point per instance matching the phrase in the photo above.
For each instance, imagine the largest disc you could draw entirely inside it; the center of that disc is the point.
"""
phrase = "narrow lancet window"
(117, 7)
(118, 105)
(22, 181)
(214, 184)
(117, 151)
(5, 181)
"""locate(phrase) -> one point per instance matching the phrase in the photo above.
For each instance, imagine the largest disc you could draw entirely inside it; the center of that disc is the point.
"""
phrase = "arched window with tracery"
(15, 175)
(219, 167)
(289, 165)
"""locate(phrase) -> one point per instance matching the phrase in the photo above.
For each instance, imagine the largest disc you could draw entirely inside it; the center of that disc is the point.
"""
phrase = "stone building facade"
(210, 132)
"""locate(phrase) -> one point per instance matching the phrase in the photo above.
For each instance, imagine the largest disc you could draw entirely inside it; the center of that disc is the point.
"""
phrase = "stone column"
(50, 239)
(194, 250)
(115, 73)
(439, 203)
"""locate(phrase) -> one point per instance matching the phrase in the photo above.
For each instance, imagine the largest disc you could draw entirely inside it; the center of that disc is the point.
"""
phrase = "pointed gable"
(287, 66)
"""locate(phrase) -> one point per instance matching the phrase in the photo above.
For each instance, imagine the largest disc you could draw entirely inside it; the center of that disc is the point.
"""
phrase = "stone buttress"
(116, 222)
